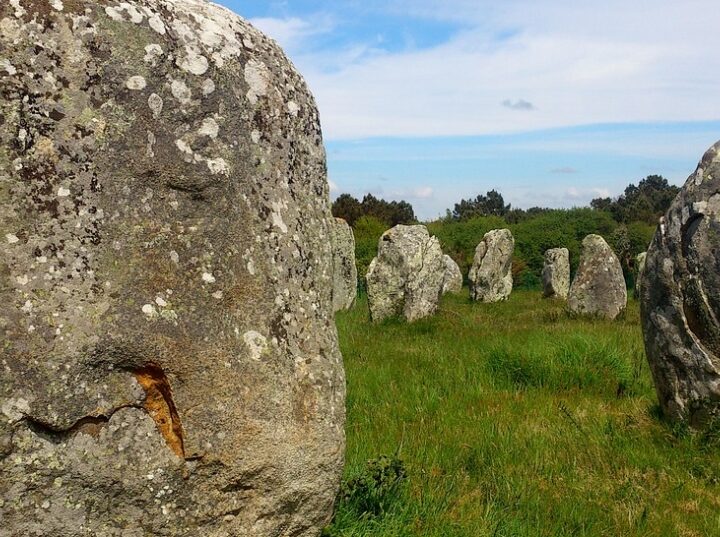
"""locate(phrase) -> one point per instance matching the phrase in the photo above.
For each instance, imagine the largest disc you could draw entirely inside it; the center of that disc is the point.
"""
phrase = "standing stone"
(639, 269)
(406, 278)
(680, 298)
(170, 363)
(556, 273)
(599, 286)
(491, 272)
(452, 280)
(344, 268)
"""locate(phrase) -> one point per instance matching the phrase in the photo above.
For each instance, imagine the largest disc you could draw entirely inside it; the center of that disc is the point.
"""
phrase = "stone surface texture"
(639, 269)
(406, 278)
(170, 364)
(556, 273)
(453, 279)
(491, 272)
(344, 268)
(680, 298)
(599, 286)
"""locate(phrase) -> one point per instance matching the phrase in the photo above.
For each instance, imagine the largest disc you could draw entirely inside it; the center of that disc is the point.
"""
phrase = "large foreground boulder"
(491, 272)
(344, 268)
(406, 278)
(599, 286)
(453, 279)
(680, 298)
(556, 273)
(170, 363)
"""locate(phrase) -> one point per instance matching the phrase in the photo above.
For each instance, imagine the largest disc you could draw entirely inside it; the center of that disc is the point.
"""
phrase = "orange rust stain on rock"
(160, 406)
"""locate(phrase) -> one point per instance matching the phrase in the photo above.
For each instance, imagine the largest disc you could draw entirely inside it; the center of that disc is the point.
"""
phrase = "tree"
(492, 204)
(645, 202)
(389, 212)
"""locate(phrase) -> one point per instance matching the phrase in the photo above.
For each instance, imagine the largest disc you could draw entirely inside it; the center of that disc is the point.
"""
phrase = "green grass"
(513, 419)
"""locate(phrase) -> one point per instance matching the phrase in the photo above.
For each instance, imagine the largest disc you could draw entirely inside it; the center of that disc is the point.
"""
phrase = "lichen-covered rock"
(344, 268)
(170, 363)
(680, 298)
(406, 278)
(453, 279)
(639, 269)
(556, 273)
(599, 286)
(491, 272)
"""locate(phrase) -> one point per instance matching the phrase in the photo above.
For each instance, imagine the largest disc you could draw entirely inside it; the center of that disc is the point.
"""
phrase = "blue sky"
(551, 102)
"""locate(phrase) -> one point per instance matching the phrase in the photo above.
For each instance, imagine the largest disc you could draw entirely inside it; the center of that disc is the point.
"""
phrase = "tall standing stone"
(170, 363)
(639, 269)
(556, 273)
(599, 286)
(680, 298)
(491, 272)
(344, 268)
(453, 280)
(406, 278)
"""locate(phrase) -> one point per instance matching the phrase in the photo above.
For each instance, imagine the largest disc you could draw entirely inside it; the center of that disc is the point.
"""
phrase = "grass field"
(513, 419)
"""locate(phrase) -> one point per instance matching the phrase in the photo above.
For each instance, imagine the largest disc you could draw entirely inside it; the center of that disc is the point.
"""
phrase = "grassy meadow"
(513, 419)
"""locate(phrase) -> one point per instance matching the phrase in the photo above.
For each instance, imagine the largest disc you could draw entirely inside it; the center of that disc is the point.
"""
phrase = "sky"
(550, 102)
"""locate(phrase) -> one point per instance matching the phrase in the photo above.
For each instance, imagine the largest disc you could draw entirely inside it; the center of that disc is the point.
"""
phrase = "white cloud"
(292, 31)
(576, 64)
(421, 192)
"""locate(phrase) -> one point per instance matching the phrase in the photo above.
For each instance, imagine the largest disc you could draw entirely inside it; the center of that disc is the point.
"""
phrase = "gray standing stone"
(452, 280)
(406, 278)
(344, 268)
(639, 269)
(491, 272)
(170, 364)
(680, 298)
(599, 286)
(556, 273)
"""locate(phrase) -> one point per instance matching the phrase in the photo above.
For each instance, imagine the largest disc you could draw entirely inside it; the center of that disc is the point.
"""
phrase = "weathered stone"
(680, 298)
(453, 279)
(406, 278)
(170, 363)
(639, 269)
(344, 268)
(491, 272)
(556, 273)
(599, 286)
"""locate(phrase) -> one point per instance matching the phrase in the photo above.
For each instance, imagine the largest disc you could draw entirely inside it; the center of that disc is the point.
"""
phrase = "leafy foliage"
(492, 204)
(390, 212)
(368, 230)
(645, 202)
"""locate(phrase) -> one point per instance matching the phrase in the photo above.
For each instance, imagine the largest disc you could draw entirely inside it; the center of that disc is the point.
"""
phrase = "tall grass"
(514, 419)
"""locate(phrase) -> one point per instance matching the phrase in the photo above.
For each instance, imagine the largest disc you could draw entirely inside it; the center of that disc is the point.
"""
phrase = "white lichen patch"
(15, 409)
(19, 10)
(63, 192)
(194, 63)
(293, 108)
(152, 53)
(276, 217)
(155, 103)
(136, 83)
(57, 5)
(180, 91)
(157, 24)
(209, 128)
(255, 136)
(8, 67)
(149, 311)
(174, 257)
(207, 277)
(208, 87)
(116, 13)
(11, 238)
(256, 343)
(257, 77)
(218, 166)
